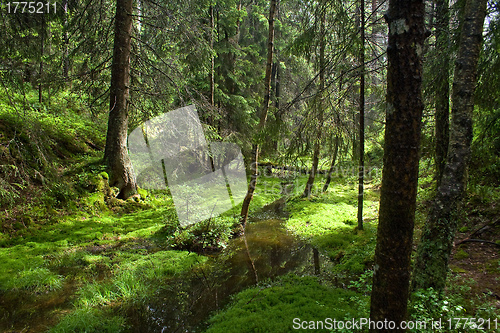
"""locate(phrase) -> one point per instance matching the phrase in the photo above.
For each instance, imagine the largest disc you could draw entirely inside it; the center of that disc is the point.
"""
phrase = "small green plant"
(427, 305)
(38, 280)
(364, 283)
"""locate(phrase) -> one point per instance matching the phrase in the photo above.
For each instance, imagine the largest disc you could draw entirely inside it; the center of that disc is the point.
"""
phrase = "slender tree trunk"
(361, 169)
(337, 138)
(115, 153)
(66, 43)
(263, 118)
(443, 87)
(277, 92)
(42, 51)
(212, 57)
(332, 164)
(433, 254)
(319, 105)
(315, 160)
(401, 155)
(277, 85)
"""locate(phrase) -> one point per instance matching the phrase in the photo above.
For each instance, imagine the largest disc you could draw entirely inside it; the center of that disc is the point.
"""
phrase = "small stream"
(184, 304)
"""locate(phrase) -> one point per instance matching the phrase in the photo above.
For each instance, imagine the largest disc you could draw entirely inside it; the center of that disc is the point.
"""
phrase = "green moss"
(59, 244)
(493, 266)
(456, 269)
(21, 267)
(143, 193)
(328, 222)
(464, 229)
(135, 274)
(461, 254)
(272, 307)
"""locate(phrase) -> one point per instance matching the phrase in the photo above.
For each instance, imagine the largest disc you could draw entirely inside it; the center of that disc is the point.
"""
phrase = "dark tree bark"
(433, 254)
(212, 57)
(319, 105)
(43, 34)
(332, 164)
(254, 167)
(277, 82)
(361, 169)
(337, 139)
(315, 160)
(443, 87)
(66, 42)
(115, 153)
(401, 155)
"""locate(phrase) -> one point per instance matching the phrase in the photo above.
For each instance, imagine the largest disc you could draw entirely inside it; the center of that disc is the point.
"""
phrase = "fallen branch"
(483, 227)
(469, 240)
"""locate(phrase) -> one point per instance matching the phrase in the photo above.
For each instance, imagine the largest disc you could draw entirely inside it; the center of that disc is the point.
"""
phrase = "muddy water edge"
(182, 304)
(266, 251)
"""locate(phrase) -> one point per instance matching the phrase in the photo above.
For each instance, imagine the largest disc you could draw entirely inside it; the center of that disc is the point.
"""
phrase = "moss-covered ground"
(341, 290)
(74, 259)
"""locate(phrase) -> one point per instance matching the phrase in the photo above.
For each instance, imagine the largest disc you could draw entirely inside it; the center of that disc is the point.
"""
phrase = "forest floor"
(89, 263)
(74, 260)
(476, 256)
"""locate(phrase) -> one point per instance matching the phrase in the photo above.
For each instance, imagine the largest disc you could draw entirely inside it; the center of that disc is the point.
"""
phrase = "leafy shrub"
(428, 305)
(211, 234)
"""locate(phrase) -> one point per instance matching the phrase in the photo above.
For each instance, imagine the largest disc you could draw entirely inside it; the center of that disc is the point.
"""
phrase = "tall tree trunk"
(361, 169)
(337, 137)
(212, 57)
(66, 42)
(263, 118)
(332, 164)
(401, 155)
(115, 153)
(443, 87)
(42, 51)
(319, 105)
(433, 254)
(315, 160)
(277, 84)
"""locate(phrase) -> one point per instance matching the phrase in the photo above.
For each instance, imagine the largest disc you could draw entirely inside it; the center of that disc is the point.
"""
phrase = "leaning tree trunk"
(263, 118)
(115, 154)
(443, 87)
(401, 155)
(434, 250)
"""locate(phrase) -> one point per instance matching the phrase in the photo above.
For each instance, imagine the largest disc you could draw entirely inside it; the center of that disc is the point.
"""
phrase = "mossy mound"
(278, 306)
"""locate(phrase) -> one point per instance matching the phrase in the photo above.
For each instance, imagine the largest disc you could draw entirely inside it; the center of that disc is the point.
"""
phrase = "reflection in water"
(183, 304)
(250, 260)
(317, 270)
